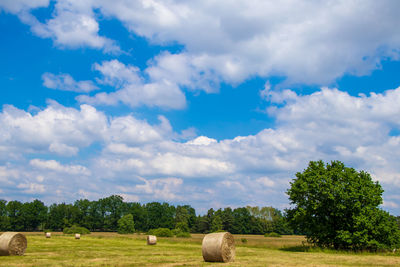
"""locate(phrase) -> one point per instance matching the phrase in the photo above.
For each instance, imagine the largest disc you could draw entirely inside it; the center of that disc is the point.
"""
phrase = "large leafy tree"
(336, 206)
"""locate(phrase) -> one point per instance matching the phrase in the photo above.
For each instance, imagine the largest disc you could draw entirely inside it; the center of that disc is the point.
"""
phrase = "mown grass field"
(111, 249)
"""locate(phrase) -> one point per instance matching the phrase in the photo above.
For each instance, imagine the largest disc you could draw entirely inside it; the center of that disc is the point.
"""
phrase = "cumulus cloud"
(66, 83)
(307, 42)
(64, 131)
(160, 189)
(57, 128)
(15, 6)
(265, 181)
(32, 188)
(328, 124)
(54, 165)
(133, 90)
(73, 23)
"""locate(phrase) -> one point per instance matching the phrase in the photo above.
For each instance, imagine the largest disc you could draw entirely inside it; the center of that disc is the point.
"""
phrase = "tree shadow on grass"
(297, 249)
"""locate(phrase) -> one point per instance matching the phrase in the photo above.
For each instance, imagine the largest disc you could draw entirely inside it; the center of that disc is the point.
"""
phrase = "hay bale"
(218, 247)
(12, 243)
(48, 235)
(77, 236)
(151, 240)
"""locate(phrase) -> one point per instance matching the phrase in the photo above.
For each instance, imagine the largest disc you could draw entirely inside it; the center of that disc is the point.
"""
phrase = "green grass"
(111, 249)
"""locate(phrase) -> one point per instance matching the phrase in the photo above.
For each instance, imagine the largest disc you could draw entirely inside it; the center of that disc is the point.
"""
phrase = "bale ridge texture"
(12, 243)
(77, 236)
(151, 240)
(48, 235)
(218, 247)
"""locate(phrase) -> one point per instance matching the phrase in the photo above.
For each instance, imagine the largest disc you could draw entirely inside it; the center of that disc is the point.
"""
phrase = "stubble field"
(111, 249)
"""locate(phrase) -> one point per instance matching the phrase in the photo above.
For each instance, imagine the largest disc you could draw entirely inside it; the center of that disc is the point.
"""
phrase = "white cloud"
(66, 83)
(73, 24)
(15, 6)
(265, 181)
(32, 188)
(63, 149)
(328, 125)
(7, 175)
(310, 42)
(202, 141)
(118, 74)
(132, 90)
(164, 188)
(390, 204)
(130, 197)
(53, 165)
(57, 129)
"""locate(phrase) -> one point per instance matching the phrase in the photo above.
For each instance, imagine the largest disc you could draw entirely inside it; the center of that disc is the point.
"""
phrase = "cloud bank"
(144, 161)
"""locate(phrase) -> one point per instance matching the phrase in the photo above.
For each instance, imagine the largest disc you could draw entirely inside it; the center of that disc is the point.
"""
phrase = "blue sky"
(211, 104)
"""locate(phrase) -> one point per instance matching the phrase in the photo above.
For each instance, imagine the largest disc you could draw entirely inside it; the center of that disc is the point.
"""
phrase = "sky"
(207, 103)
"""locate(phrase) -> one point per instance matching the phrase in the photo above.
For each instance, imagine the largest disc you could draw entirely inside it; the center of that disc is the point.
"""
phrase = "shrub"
(272, 234)
(180, 233)
(75, 229)
(161, 232)
(244, 240)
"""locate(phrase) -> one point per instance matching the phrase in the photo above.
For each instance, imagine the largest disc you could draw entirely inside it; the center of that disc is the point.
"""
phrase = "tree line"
(103, 215)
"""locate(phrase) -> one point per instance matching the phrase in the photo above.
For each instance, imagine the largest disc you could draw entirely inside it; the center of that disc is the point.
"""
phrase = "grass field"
(111, 249)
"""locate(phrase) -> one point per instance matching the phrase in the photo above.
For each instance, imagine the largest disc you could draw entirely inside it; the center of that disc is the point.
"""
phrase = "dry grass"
(111, 249)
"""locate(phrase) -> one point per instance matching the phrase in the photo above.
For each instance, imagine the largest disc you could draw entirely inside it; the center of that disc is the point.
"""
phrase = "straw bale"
(151, 240)
(77, 236)
(48, 235)
(218, 247)
(12, 243)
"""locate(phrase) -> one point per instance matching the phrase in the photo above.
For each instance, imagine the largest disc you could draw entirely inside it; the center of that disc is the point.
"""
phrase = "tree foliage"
(105, 213)
(126, 224)
(337, 207)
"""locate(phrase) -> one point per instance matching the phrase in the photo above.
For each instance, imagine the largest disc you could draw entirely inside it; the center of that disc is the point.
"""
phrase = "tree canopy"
(336, 206)
(106, 214)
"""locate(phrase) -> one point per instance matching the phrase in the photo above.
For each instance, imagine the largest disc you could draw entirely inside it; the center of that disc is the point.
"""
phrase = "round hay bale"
(48, 235)
(12, 243)
(151, 240)
(77, 236)
(218, 247)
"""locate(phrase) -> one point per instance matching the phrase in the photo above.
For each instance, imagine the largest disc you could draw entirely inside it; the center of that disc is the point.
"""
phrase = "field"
(111, 249)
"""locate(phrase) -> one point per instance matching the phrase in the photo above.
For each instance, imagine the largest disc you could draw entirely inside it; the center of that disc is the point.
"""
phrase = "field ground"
(111, 249)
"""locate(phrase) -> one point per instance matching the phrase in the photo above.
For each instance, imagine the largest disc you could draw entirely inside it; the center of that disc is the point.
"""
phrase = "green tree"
(126, 224)
(337, 207)
(4, 220)
(14, 211)
(242, 221)
(60, 216)
(111, 209)
(139, 214)
(33, 214)
(160, 215)
(186, 215)
(82, 215)
(216, 224)
(227, 219)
